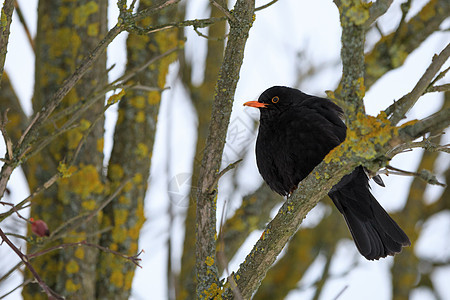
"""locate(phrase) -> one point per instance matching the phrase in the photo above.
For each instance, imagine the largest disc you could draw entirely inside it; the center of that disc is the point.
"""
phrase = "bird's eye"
(275, 99)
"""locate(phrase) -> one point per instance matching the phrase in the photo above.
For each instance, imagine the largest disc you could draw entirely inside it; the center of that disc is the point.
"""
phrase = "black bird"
(296, 132)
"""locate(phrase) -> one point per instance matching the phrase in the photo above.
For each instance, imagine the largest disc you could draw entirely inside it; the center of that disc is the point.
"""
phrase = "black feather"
(296, 132)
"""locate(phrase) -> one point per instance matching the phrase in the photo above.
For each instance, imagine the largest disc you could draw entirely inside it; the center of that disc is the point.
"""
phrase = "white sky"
(276, 37)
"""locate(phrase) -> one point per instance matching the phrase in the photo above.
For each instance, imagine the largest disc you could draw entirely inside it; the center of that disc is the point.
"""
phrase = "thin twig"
(24, 24)
(405, 9)
(425, 175)
(218, 39)
(198, 23)
(131, 73)
(221, 173)
(399, 108)
(50, 293)
(133, 258)
(36, 116)
(17, 287)
(377, 9)
(224, 10)
(14, 209)
(266, 5)
(150, 10)
(439, 76)
(438, 88)
(425, 144)
(8, 142)
(21, 204)
(341, 292)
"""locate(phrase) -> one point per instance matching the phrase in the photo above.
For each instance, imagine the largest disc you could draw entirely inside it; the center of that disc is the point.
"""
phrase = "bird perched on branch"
(296, 132)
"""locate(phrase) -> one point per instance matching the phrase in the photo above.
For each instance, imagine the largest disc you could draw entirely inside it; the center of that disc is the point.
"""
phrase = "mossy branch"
(5, 24)
(207, 275)
(353, 15)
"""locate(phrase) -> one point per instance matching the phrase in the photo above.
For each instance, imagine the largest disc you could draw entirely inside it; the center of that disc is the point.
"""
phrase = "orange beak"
(255, 104)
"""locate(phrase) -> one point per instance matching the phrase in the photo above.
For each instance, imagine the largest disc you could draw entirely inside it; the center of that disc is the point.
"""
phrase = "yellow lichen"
(66, 171)
(100, 144)
(72, 267)
(209, 261)
(113, 247)
(128, 280)
(85, 182)
(117, 278)
(141, 150)
(213, 292)
(62, 40)
(115, 172)
(429, 11)
(79, 253)
(137, 179)
(82, 13)
(88, 204)
(93, 29)
(74, 137)
(116, 97)
(119, 234)
(356, 11)
(120, 216)
(84, 125)
(133, 248)
(363, 142)
(128, 186)
(71, 286)
(138, 102)
(124, 200)
(140, 116)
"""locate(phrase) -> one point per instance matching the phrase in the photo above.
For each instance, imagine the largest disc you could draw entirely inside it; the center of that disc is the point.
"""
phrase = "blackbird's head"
(276, 99)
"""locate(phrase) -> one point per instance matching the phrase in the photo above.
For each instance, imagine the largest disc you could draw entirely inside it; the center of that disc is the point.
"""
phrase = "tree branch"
(435, 122)
(403, 105)
(6, 18)
(50, 293)
(377, 9)
(391, 50)
(207, 275)
(353, 15)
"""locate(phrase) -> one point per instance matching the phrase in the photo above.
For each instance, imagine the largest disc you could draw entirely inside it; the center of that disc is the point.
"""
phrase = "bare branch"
(438, 88)
(22, 203)
(221, 173)
(50, 293)
(266, 5)
(24, 23)
(401, 107)
(145, 12)
(17, 287)
(223, 9)
(207, 275)
(436, 122)
(377, 9)
(425, 175)
(6, 18)
(133, 258)
(425, 144)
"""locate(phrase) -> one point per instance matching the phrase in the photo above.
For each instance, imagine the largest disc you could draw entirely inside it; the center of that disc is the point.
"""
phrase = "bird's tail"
(375, 233)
